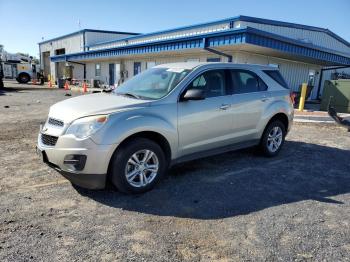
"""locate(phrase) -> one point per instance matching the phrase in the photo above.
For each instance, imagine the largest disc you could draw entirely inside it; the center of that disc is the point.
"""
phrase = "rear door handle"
(224, 106)
(264, 98)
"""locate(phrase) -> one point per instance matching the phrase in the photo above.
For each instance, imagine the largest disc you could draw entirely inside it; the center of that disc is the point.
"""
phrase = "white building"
(301, 52)
(73, 43)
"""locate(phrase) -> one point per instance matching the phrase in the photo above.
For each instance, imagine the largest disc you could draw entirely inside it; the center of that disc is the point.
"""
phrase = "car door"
(205, 124)
(249, 100)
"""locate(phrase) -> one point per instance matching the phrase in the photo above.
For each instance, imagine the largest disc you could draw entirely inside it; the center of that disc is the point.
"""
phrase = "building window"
(97, 69)
(137, 68)
(61, 51)
(213, 59)
(312, 78)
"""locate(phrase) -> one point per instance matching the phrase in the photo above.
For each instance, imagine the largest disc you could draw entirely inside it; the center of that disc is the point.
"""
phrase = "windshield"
(154, 83)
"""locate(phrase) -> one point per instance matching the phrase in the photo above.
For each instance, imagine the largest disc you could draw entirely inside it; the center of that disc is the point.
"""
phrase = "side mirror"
(193, 94)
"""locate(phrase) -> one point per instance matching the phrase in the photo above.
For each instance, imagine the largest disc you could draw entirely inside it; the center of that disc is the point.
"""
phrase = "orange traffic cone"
(84, 88)
(50, 84)
(66, 86)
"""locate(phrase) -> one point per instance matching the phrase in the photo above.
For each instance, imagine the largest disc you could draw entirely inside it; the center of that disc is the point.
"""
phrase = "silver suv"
(168, 114)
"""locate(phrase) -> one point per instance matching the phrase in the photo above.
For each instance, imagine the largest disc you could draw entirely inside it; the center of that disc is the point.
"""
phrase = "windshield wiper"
(130, 95)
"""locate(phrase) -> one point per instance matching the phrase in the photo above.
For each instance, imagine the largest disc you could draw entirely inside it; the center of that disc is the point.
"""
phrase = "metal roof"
(231, 20)
(83, 31)
(293, 25)
(224, 38)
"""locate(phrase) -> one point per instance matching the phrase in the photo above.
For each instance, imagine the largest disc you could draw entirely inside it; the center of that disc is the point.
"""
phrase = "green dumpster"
(339, 92)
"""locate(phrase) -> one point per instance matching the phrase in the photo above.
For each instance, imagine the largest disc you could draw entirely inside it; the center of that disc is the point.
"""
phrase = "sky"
(25, 23)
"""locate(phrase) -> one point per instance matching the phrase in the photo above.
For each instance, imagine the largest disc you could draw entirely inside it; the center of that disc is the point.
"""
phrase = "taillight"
(292, 96)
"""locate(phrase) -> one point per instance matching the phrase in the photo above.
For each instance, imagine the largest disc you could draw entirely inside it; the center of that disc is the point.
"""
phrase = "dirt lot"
(237, 206)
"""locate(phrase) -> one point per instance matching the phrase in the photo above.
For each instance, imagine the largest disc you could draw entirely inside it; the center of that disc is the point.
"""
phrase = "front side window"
(211, 82)
(97, 70)
(153, 83)
(246, 82)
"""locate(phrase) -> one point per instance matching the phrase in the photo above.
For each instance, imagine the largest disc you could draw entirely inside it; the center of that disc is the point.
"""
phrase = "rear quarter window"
(276, 75)
(244, 81)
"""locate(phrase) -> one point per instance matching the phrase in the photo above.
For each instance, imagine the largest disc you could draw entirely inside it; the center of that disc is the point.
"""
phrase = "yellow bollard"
(302, 96)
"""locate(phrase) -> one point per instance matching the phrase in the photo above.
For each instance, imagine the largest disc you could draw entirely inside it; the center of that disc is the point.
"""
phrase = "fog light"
(75, 162)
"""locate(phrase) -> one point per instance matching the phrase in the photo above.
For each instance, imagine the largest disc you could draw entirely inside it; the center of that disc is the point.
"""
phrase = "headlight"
(86, 126)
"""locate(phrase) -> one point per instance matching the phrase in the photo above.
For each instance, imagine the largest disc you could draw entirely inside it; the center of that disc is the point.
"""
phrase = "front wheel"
(273, 138)
(137, 166)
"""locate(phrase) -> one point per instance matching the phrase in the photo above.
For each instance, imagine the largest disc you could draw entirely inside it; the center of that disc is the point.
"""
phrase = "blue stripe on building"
(218, 39)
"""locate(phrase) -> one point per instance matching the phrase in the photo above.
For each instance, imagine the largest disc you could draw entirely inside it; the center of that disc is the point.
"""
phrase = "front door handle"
(224, 106)
(264, 98)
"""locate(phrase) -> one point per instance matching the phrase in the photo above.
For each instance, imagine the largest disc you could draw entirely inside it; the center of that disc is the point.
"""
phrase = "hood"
(93, 104)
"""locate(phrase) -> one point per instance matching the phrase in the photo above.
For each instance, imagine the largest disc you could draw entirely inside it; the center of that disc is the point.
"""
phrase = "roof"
(181, 65)
(294, 25)
(233, 19)
(243, 36)
(192, 65)
(86, 30)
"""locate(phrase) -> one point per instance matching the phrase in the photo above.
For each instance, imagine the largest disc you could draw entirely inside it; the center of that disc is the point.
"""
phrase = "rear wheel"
(23, 78)
(273, 138)
(137, 166)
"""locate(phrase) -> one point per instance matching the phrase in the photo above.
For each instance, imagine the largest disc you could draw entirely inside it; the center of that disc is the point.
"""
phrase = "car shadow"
(241, 182)
(5, 90)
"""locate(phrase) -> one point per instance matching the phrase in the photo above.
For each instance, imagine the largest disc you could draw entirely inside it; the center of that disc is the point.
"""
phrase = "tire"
(23, 78)
(270, 146)
(143, 176)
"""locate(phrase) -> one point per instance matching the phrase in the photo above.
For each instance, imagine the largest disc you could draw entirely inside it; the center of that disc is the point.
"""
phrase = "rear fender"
(280, 106)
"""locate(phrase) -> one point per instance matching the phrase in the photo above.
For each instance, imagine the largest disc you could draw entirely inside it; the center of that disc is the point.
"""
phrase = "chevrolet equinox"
(168, 114)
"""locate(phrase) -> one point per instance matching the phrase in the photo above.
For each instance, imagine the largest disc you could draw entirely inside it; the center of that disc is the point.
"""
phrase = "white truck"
(17, 66)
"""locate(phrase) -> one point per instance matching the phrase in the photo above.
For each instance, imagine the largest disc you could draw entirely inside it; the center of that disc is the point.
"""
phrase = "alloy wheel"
(275, 139)
(142, 168)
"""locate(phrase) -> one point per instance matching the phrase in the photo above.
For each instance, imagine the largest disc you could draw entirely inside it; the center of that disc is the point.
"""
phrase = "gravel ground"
(237, 206)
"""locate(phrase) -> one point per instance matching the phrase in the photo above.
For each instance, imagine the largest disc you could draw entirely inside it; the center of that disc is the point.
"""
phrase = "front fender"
(124, 125)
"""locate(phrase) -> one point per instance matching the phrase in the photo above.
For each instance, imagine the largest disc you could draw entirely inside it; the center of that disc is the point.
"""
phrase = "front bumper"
(89, 181)
(96, 160)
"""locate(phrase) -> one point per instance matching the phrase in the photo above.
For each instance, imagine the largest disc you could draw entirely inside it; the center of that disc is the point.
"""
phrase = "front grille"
(48, 140)
(55, 122)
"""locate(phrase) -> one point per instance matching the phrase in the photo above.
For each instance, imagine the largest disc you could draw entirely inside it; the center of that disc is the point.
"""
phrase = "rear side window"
(276, 75)
(246, 82)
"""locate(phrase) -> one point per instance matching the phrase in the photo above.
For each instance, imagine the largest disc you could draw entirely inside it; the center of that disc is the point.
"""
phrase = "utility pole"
(1, 68)
(1, 76)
